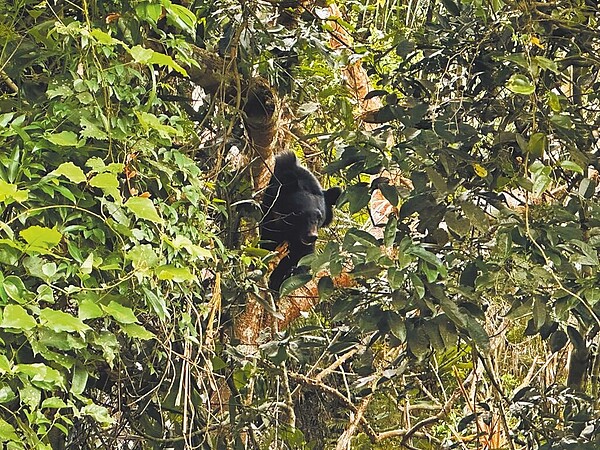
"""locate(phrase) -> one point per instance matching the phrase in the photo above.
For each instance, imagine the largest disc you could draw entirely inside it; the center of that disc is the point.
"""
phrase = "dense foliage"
(125, 256)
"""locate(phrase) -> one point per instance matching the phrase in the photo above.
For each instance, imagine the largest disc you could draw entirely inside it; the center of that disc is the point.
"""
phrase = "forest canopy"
(453, 302)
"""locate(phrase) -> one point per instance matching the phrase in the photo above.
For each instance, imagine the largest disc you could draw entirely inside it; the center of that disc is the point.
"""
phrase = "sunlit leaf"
(15, 316)
(143, 208)
(520, 84)
(41, 238)
(120, 313)
(71, 172)
(62, 321)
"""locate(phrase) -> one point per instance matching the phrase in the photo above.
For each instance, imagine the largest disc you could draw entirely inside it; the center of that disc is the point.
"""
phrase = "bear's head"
(295, 206)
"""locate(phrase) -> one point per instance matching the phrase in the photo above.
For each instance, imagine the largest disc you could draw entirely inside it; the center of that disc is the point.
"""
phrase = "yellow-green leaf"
(137, 331)
(15, 316)
(143, 208)
(61, 321)
(41, 238)
(70, 171)
(120, 313)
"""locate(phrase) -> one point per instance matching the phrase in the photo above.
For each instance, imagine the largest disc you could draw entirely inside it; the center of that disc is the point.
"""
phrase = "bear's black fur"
(294, 207)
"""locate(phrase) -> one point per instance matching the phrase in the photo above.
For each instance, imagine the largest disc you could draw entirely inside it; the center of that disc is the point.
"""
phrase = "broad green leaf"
(545, 63)
(570, 165)
(136, 331)
(143, 257)
(5, 365)
(15, 316)
(54, 402)
(42, 376)
(361, 237)
(325, 287)
(120, 313)
(554, 102)
(294, 282)
(149, 10)
(105, 181)
(62, 321)
(140, 54)
(437, 180)
(176, 274)
(104, 38)
(6, 394)
(562, 121)
(479, 335)
(520, 84)
(30, 395)
(99, 413)
(539, 312)
(16, 290)
(459, 225)
(8, 432)
(165, 60)
(157, 303)
(476, 216)
(143, 208)
(79, 380)
(41, 238)
(587, 188)
(63, 139)
(109, 184)
(538, 142)
(150, 121)
(71, 171)
(541, 182)
(9, 191)
(89, 310)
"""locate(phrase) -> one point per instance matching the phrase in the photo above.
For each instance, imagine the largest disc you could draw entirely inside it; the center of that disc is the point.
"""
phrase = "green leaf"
(79, 380)
(538, 142)
(42, 376)
(41, 238)
(71, 171)
(5, 365)
(157, 303)
(151, 122)
(562, 121)
(63, 139)
(10, 192)
(165, 60)
(104, 38)
(570, 165)
(554, 102)
(105, 181)
(140, 54)
(54, 402)
(136, 331)
(143, 208)
(476, 216)
(292, 283)
(172, 273)
(61, 321)
(89, 310)
(545, 63)
(16, 290)
(7, 432)
(520, 84)
(325, 287)
(99, 413)
(119, 312)
(15, 316)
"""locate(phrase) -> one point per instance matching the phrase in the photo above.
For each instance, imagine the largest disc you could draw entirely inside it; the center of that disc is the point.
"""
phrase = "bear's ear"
(285, 162)
(331, 195)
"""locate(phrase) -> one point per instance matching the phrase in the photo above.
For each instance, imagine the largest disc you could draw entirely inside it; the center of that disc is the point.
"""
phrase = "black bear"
(294, 207)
